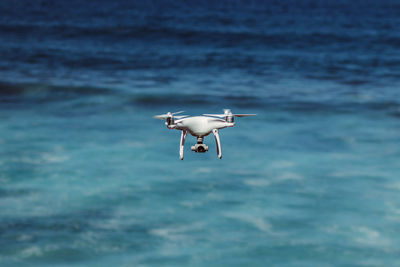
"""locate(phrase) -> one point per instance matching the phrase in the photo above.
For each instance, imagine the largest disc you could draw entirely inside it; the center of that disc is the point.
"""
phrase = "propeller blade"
(215, 115)
(170, 115)
(161, 117)
(181, 116)
(224, 115)
(243, 115)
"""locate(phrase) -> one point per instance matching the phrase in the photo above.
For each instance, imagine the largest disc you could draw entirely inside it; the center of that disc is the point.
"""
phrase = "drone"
(200, 126)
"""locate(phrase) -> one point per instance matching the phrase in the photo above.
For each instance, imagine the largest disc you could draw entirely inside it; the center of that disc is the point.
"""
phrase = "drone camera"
(200, 148)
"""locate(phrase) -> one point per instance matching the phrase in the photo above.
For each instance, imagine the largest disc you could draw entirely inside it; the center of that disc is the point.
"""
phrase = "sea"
(89, 178)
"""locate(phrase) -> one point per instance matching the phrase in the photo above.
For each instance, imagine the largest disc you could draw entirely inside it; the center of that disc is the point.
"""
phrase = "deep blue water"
(87, 177)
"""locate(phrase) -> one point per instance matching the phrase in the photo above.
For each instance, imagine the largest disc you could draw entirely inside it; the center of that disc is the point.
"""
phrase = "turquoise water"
(89, 178)
(107, 188)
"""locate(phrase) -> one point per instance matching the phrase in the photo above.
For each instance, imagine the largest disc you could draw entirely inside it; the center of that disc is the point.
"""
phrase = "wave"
(194, 100)
(44, 93)
(48, 91)
(201, 35)
(16, 193)
(268, 105)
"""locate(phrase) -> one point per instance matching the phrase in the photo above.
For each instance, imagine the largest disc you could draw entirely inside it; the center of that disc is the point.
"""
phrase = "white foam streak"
(289, 176)
(263, 182)
(41, 159)
(256, 222)
(395, 186)
(281, 164)
(31, 251)
(175, 233)
(370, 237)
(257, 182)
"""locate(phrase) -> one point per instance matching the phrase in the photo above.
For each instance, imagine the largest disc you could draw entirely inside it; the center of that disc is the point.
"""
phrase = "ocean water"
(89, 178)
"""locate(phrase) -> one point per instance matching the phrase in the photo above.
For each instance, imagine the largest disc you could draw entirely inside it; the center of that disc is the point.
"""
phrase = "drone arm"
(218, 141)
(181, 146)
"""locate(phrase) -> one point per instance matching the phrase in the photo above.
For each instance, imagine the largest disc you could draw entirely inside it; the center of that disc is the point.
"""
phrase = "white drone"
(200, 126)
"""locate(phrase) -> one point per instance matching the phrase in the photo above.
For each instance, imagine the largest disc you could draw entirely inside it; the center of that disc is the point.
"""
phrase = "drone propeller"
(181, 117)
(227, 112)
(170, 115)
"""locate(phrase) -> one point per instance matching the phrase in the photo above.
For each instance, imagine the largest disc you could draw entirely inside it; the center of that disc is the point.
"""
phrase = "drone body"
(200, 126)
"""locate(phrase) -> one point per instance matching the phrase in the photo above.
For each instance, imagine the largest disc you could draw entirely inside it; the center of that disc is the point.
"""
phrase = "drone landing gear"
(200, 147)
(218, 142)
(183, 137)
